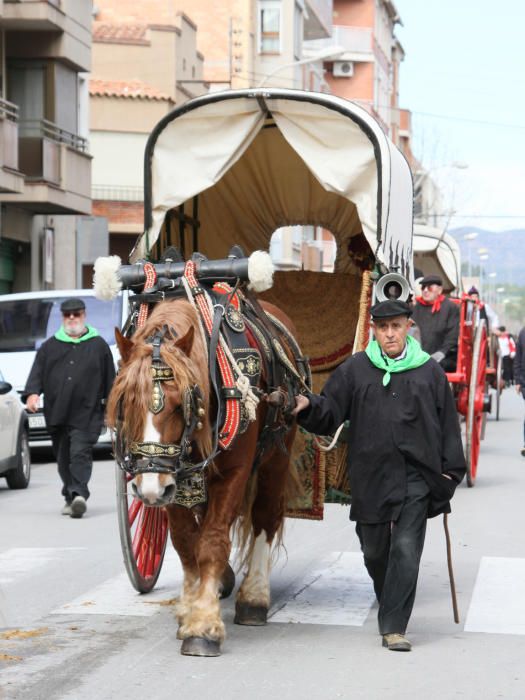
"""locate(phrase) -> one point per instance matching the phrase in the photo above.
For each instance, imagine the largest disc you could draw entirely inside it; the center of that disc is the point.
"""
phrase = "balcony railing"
(42, 128)
(8, 110)
(356, 40)
(122, 193)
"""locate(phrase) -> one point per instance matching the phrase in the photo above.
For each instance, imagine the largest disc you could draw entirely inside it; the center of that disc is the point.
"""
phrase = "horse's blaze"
(151, 487)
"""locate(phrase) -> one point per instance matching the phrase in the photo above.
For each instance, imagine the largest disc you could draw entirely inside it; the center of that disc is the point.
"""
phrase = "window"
(269, 26)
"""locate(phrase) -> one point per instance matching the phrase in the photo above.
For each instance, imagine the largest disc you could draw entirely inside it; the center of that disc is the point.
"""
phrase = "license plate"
(37, 422)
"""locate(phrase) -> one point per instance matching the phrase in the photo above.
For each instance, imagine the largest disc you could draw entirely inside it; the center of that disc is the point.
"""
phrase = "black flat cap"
(390, 308)
(431, 279)
(72, 305)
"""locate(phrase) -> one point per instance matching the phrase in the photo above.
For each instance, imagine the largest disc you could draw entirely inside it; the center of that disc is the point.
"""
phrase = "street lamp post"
(483, 257)
(326, 54)
(470, 237)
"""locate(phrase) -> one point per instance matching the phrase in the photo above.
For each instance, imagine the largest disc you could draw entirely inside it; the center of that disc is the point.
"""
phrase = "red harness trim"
(224, 288)
(232, 419)
(151, 278)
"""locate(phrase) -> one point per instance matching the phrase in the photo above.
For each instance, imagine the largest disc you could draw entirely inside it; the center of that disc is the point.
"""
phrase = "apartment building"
(142, 57)
(200, 47)
(45, 164)
(368, 71)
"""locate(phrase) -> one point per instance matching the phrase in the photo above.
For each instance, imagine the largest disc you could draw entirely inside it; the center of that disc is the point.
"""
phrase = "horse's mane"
(133, 385)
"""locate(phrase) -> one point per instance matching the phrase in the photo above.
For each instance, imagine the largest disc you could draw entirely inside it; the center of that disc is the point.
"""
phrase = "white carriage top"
(436, 252)
(243, 163)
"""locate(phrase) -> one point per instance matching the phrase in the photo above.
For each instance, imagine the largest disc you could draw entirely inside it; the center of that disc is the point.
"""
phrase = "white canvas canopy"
(436, 252)
(247, 162)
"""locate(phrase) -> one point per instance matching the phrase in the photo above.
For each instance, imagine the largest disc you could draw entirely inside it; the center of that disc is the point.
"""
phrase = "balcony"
(10, 179)
(43, 29)
(358, 42)
(57, 170)
(39, 15)
(318, 21)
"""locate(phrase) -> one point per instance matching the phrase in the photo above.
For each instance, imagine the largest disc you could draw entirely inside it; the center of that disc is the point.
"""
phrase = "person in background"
(405, 456)
(519, 373)
(486, 312)
(507, 353)
(74, 370)
(438, 321)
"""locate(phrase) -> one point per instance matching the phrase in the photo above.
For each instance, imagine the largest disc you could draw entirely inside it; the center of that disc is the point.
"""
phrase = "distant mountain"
(506, 251)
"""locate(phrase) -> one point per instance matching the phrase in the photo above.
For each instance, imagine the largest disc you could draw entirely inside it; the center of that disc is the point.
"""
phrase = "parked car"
(28, 319)
(15, 458)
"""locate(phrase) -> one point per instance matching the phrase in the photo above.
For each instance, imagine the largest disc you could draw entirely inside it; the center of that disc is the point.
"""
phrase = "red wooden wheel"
(143, 535)
(475, 413)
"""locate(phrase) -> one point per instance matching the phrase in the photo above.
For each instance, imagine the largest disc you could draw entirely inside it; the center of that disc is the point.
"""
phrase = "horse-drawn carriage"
(436, 252)
(229, 169)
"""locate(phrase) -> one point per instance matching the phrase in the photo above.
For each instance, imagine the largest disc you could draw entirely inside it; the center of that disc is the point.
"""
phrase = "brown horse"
(236, 493)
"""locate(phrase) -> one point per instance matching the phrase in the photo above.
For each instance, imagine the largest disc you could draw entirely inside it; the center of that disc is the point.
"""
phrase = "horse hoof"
(199, 646)
(246, 614)
(227, 582)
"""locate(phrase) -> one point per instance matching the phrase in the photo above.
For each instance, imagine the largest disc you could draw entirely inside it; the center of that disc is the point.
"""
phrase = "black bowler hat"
(70, 305)
(390, 308)
(431, 279)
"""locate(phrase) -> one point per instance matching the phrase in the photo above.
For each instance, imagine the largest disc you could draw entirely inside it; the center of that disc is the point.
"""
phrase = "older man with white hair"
(74, 370)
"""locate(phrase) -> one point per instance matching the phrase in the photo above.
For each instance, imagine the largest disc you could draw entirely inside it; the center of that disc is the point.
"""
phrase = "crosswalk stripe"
(339, 593)
(116, 596)
(497, 605)
(18, 562)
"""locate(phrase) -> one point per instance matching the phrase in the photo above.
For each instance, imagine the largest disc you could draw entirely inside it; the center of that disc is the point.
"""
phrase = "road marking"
(116, 596)
(339, 593)
(497, 605)
(18, 562)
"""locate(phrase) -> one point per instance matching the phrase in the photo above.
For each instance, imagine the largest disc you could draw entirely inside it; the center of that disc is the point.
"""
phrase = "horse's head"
(159, 407)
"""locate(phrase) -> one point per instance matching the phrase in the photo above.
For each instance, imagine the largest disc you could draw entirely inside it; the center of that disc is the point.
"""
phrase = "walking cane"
(450, 571)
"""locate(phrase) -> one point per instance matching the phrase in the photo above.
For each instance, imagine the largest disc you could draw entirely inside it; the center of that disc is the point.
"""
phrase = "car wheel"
(18, 478)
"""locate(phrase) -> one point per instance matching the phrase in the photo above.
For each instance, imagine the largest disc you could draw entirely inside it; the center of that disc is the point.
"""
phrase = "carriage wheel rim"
(498, 385)
(474, 422)
(143, 536)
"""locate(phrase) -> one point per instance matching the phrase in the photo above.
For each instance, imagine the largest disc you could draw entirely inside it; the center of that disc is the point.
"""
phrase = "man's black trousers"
(392, 552)
(74, 455)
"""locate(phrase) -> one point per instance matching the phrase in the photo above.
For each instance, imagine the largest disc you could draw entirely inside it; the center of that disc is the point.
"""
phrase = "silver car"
(15, 458)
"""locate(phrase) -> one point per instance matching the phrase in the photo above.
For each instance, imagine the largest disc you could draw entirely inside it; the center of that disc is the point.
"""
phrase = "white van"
(29, 318)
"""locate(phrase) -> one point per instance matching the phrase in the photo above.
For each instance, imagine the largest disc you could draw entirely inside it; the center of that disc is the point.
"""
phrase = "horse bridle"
(157, 457)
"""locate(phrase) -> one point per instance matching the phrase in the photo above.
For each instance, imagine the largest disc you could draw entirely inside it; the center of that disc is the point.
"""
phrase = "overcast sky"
(463, 78)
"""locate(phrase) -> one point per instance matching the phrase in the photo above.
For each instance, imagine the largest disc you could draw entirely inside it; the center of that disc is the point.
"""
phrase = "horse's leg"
(253, 598)
(184, 532)
(203, 630)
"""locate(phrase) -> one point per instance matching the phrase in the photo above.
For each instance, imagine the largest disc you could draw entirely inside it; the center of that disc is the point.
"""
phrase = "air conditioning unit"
(343, 69)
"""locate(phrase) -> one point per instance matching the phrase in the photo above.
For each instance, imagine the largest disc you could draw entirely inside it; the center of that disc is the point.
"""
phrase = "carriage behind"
(229, 169)
(436, 252)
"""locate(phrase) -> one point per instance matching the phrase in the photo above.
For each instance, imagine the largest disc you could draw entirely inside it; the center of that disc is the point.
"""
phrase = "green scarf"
(65, 338)
(415, 357)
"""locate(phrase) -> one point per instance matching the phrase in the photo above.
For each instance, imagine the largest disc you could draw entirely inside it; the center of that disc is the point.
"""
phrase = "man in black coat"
(519, 373)
(405, 456)
(438, 321)
(75, 371)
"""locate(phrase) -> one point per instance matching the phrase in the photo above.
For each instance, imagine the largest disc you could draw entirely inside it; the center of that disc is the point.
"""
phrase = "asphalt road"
(72, 628)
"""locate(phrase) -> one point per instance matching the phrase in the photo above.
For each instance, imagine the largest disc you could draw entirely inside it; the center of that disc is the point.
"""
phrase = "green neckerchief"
(415, 357)
(65, 338)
